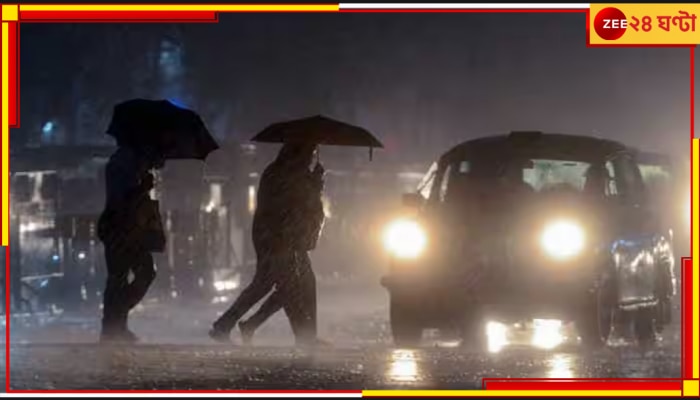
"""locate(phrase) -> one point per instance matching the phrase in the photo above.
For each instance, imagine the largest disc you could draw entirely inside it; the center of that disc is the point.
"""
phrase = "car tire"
(664, 315)
(406, 329)
(595, 324)
(645, 325)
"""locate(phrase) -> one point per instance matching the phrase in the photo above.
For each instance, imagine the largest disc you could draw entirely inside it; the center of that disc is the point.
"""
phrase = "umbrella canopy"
(175, 132)
(319, 130)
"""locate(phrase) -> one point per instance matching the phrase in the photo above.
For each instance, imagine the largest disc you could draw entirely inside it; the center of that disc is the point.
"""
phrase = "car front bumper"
(513, 291)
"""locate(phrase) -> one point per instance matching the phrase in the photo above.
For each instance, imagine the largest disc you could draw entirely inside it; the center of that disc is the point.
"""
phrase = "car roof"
(537, 144)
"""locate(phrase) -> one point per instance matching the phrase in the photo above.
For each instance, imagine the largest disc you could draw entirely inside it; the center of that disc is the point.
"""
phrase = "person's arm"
(125, 182)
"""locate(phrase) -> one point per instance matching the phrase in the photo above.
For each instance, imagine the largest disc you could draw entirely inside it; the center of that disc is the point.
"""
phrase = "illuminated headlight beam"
(405, 238)
(563, 239)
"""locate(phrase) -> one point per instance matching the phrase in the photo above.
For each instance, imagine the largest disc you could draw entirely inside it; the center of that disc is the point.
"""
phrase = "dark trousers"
(297, 296)
(120, 295)
(290, 274)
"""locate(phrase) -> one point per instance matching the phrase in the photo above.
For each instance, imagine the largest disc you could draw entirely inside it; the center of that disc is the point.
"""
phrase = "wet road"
(61, 354)
(202, 367)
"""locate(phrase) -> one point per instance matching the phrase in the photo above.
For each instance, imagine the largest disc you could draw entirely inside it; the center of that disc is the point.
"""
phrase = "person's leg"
(289, 289)
(271, 305)
(144, 275)
(299, 300)
(307, 298)
(262, 283)
(114, 310)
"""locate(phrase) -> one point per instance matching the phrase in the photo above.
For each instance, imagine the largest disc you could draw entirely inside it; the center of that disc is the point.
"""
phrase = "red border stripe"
(583, 385)
(460, 10)
(114, 16)
(13, 119)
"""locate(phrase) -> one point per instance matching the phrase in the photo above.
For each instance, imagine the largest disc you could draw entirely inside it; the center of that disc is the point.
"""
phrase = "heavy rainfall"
(422, 84)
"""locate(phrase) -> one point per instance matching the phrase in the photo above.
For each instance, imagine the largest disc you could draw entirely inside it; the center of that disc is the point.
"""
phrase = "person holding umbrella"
(148, 132)
(289, 204)
(297, 295)
(128, 182)
(286, 226)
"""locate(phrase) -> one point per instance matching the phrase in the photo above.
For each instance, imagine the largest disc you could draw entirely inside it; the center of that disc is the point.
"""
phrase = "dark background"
(421, 82)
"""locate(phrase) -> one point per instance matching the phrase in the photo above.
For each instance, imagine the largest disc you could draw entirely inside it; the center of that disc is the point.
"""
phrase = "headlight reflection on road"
(547, 333)
(560, 367)
(497, 336)
(403, 366)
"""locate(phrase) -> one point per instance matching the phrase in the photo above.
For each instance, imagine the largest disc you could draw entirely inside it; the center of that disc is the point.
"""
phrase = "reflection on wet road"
(177, 354)
(220, 367)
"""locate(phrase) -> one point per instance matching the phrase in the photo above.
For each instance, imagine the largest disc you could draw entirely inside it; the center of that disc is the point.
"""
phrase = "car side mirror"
(412, 200)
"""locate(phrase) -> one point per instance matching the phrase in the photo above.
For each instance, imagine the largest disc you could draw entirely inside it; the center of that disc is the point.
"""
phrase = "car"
(529, 225)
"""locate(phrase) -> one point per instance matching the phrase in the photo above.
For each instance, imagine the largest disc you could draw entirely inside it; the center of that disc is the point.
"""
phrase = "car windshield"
(533, 175)
(553, 174)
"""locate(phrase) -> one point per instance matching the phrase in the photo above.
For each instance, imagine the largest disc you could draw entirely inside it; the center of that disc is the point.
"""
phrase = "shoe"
(315, 343)
(247, 332)
(122, 336)
(220, 335)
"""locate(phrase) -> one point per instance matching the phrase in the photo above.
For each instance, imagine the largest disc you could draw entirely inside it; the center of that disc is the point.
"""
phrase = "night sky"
(421, 82)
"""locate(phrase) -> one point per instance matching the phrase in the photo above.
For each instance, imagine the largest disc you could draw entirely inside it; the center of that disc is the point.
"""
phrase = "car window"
(611, 187)
(627, 177)
(445, 182)
(425, 187)
(655, 177)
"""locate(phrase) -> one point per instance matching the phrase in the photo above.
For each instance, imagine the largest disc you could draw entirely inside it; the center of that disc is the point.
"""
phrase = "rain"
(420, 83)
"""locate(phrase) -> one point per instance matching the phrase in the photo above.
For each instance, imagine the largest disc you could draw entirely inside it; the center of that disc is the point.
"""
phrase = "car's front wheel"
(406, 327)
(595, 322)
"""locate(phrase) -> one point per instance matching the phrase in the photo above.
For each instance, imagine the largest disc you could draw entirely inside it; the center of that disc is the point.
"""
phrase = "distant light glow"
(47, 129)
(82, 255)
(251, 199)
(497, 336)
(219, 299)
(221, 286)
(55, 257)
(28, 227)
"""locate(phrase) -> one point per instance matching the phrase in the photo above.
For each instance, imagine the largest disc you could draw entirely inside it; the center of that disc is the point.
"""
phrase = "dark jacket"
(289, 211)
(126, 193)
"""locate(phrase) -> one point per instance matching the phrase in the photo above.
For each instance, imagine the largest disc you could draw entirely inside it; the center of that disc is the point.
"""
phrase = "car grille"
(486, 259)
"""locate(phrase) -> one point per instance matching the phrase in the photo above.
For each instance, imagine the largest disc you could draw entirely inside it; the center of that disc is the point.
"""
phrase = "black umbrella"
(319, 130)
(175, 132)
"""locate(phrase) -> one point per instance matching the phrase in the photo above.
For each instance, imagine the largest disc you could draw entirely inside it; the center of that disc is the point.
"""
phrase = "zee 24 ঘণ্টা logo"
(611, 23)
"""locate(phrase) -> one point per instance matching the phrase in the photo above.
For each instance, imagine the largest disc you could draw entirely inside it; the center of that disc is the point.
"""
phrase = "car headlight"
(563, 239)
(405, 238)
